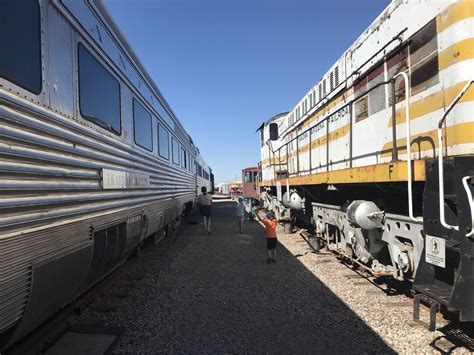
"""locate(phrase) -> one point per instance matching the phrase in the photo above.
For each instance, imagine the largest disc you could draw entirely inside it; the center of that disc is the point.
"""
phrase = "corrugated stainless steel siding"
(20, 252)
(62, 166)
(50, 171)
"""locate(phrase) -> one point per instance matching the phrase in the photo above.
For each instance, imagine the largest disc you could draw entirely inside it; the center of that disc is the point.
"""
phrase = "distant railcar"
(379, 155)
(92, 158)
(249, 183)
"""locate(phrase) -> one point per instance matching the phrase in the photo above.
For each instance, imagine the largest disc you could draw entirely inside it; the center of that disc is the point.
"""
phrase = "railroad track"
(457, 334)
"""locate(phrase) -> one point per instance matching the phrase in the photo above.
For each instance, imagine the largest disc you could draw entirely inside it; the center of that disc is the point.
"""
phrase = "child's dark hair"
(204, 190)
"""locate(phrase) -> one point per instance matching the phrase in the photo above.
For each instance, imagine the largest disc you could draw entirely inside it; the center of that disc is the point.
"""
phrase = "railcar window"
(361, 109)
(184, 160)
(377, 99)
(190, 162)
(142, 126)
(20, 61)
(99, 93)
(424, 59)
(175, 151)
(163, 142)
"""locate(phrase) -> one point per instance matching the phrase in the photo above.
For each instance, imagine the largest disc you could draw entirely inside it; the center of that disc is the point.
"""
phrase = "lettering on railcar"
(115, 179)
(318, 127)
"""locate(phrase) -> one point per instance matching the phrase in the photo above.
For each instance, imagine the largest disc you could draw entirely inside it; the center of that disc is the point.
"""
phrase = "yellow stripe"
(389, 172)
(316, 143)
(458, 52)
(458, 134)
(455, 13)
(433, 103)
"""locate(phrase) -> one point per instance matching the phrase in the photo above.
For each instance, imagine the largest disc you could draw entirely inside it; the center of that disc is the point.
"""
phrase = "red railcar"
(249, 183)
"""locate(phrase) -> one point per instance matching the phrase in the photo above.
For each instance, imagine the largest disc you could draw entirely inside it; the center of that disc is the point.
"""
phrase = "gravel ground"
(196, 294)
(385, 309)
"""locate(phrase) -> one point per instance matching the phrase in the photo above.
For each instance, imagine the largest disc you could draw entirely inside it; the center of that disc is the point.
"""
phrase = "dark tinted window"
(163, 142)
(184, 158)
(142, 126)
(175, 152)
(248, 176)
(424, 58)
(99, 93)
(20, 58)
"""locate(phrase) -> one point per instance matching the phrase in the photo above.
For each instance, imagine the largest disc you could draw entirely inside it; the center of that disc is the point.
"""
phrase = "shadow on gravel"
(455, 336)
(195, 294)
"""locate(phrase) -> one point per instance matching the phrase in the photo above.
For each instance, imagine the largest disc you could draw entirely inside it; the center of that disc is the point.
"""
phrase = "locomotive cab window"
(175, 151)
(99, 92)
(20, 37)
(142, 126)
(248, 177)
(163, 142)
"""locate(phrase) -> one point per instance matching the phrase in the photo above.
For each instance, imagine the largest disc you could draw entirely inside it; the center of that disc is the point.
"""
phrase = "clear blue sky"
(225, 66)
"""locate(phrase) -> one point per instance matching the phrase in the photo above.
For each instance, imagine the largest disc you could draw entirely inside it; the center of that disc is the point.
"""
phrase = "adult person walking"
(204, 201)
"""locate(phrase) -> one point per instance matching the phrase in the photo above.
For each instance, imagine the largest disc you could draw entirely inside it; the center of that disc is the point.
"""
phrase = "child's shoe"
(269, 260)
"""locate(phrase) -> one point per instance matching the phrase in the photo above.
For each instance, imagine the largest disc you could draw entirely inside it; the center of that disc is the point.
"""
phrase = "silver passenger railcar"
(92, 158)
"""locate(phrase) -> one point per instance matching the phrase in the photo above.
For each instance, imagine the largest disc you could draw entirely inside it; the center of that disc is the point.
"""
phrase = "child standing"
(239, 212)
(270, 223)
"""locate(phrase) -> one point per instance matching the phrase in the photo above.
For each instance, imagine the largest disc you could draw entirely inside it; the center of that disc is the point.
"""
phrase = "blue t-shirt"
(239, 210)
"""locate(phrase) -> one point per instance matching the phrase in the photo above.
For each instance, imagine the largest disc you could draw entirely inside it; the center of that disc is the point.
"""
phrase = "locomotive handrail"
(442, 216)
(408, 142)
(326, 118)
(471, 203)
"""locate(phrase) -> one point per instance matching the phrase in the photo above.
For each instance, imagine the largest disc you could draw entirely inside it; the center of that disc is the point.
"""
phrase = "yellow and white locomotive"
(378, 155)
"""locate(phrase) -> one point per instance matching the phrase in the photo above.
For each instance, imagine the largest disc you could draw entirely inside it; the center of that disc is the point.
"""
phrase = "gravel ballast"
(206, 294)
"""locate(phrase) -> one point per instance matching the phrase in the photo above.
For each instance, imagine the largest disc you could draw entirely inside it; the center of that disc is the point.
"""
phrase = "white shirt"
(204, 200)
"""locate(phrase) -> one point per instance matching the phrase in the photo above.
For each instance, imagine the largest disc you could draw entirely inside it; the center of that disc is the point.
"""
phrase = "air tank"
(293, 200)
(365, 214)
